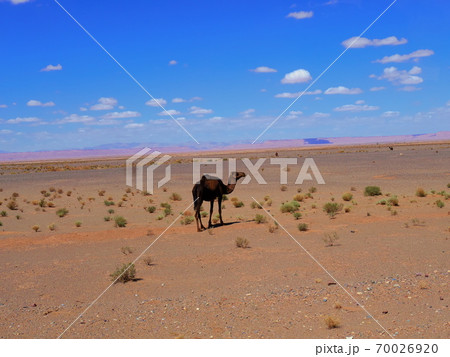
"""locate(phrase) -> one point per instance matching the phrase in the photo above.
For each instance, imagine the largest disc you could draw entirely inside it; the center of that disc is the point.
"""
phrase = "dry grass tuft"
(242, 242)
(332, 322)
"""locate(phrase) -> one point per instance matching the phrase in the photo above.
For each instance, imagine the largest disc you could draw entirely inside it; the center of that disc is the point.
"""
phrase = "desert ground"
(390, 252)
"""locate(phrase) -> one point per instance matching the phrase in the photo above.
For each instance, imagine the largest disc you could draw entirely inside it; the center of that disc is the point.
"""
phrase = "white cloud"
(3, 106)
(215, 119)
(75, 118)
(295, 95)
(356, 108)
(194, 99)
(297, 76)
(390, 114)
(5, 131)
(377, 89)
(37, 103)
(360, 101)
(178, 100)
(105, 103)
(156, 102)
(263, 69)
(51, 67)
(299, 15)
(172, 63)
(321, 115)
(20, 120)
(392, 74)
(403, 58)
(83, 109)
(199, 111)
(355, 42)
(247, 113)
(169, 112)
(343, 90)
(133, 126)
(296, 112)
(120, 115)
(409, 89)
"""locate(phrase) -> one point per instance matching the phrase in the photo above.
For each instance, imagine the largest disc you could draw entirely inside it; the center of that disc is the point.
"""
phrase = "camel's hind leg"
(210, 213)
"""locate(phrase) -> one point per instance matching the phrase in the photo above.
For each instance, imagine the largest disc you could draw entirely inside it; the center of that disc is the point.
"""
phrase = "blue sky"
(224, 70)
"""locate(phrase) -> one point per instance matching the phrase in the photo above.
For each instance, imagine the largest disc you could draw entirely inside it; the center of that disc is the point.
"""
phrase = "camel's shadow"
(217, 225)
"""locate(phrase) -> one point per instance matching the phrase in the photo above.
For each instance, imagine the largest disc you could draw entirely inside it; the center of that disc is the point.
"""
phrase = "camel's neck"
(230, 188)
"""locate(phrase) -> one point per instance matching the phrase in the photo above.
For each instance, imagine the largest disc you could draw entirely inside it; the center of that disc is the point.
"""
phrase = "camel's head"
(235, 176)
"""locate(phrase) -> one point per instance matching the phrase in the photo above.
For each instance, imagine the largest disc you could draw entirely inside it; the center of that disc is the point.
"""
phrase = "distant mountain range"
(128, 149)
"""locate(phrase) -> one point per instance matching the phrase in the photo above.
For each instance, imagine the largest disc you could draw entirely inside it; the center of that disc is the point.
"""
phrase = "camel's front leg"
(210, 214)
(219, 200)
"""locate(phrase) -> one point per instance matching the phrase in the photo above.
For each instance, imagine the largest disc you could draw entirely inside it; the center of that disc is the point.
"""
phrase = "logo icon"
(146, 158)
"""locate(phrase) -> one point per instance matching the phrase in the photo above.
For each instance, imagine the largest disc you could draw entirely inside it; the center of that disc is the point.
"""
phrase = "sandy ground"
(392, 260)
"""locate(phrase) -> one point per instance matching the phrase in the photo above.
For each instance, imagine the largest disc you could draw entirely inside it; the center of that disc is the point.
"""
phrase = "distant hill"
(128, 149)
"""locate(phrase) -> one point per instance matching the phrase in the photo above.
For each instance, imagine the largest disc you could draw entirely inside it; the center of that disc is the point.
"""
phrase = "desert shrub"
(308, 195)
(124, 273)
(298, 197)
(204, 214)
(69, 193)
(347, 196)
(60, 191)
(12, 205)
(297, 215)
(283, 188)
(52, 227)
(312, 189)
(237, 203)
(448, 185)
(35, 228)
(392, 201)
(3, 213)
(50, 205)
(1, 224)
(347, 209)
(62, 212)
(15, 195)
(160, 217)
(273, 228)
(151, 209)
(330, 238)
(148, 261)
(292, 206)
(302, 227)
(107, 218)
(224, 198)
(126, 250)
(42, 203)
(120, 222)
(259, 218)
(187, 220)
(175, 197)
(256, 205)
(78, 224)
(332, 322)
(439, 203)
(420, 192)
(18, 216)
(128, 190)
(109, 203)
(332, 208)
(242, 242)
(372, 191)
(111, 211)
(101, 193)
(52, 189)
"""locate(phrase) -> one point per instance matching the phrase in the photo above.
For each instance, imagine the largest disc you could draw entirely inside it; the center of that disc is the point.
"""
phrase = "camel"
(208, 189)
